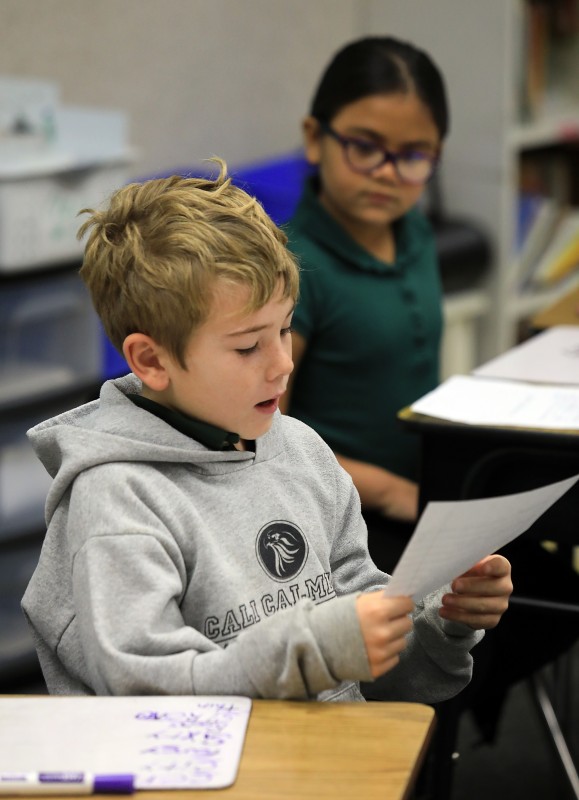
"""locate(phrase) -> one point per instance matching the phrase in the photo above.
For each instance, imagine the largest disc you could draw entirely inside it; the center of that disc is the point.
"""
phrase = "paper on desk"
(549, 357)
(485, 401)
(452, 536)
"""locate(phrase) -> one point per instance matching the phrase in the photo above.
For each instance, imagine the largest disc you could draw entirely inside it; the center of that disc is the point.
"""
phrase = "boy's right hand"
(384, 622)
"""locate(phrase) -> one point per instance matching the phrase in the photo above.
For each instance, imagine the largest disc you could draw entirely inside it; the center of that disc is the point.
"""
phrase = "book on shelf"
(561, 256)
(529, 205)
(544, 200)
(546, 215)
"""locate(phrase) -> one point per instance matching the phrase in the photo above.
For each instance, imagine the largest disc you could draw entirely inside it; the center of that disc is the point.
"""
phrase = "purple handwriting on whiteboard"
(188, 748)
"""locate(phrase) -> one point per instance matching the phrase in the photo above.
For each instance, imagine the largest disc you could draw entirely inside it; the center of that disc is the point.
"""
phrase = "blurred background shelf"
(518, 97)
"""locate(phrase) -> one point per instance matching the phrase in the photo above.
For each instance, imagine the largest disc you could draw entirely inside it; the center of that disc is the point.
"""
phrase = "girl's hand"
(384, 622)
(480, 596)
(390, 494)
(400, 499)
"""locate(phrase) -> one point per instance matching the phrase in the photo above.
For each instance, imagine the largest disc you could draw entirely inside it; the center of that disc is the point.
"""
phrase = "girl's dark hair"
(381, 65)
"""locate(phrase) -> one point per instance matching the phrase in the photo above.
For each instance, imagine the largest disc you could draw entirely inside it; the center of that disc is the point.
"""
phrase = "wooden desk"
(342, 751)
(326, 750)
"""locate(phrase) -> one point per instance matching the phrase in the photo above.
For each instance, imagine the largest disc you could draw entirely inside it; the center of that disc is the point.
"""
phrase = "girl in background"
(367, 327)
(368, 324)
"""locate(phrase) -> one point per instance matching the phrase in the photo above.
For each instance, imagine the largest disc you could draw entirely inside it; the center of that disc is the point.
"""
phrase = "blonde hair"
(154, 253)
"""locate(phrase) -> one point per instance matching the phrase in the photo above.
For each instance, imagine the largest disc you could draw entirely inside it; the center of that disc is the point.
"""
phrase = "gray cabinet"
(50, 361)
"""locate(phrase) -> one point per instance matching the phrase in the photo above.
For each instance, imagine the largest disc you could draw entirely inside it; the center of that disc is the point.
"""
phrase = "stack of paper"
(549, 357)
(533, 385)
(482, 401)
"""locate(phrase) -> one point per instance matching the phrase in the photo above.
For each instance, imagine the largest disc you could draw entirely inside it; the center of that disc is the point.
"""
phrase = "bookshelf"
(512, 72)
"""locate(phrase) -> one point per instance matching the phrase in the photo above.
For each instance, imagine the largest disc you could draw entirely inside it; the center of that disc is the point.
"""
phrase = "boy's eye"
(246, 351)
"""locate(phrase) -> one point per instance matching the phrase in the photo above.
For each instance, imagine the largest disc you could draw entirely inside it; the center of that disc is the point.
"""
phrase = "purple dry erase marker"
(63, 783)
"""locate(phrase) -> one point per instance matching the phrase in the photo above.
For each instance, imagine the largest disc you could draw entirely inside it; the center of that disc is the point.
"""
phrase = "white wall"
(197, 77)
(201, 77)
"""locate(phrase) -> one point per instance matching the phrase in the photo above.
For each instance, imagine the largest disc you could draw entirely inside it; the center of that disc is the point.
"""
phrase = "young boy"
(198, 541)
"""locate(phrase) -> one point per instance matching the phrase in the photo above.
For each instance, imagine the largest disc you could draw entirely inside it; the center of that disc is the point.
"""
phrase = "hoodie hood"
(113, 429)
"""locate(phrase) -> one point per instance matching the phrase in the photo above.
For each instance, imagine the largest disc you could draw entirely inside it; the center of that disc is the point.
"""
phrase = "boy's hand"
(480, 596)
(384, 622)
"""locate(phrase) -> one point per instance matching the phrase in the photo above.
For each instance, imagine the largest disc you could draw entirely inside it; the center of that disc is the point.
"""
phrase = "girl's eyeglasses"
(365, 156)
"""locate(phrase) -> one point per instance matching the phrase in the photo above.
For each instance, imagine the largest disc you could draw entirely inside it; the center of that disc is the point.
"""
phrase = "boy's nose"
(281, 364)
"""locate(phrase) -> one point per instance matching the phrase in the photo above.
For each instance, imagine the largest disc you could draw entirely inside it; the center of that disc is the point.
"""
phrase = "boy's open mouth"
(267, 403)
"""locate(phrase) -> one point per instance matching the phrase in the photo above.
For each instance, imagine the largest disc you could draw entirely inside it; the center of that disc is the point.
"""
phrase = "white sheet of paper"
(166, 742)
(451, 537)
(549, 357)
(485, 401)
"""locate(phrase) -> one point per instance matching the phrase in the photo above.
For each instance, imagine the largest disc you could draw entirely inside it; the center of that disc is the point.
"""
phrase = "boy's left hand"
(480, 596)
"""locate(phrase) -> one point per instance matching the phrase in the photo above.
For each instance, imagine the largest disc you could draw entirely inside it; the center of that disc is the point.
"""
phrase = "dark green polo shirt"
(373, 331)
(208, 435)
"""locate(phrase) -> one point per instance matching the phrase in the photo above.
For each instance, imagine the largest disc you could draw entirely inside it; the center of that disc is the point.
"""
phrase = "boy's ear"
(147, 360)
(312, 139)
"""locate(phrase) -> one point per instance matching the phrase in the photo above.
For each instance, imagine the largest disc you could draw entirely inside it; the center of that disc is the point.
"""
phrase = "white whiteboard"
(165, 742)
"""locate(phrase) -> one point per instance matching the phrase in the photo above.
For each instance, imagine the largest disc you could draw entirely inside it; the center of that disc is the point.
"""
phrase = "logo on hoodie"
(281, 549)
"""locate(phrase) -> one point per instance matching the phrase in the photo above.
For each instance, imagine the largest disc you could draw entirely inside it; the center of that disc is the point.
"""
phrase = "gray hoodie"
(170, 568)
